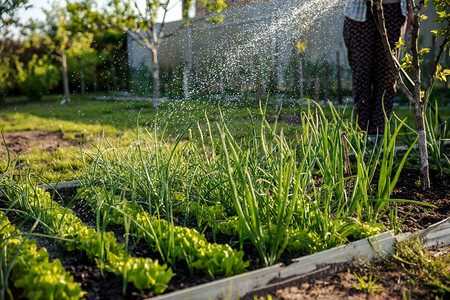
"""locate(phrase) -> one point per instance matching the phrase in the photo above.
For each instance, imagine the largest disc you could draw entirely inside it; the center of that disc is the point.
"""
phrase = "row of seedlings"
(29, 268)
(144, 273)
(174, 243)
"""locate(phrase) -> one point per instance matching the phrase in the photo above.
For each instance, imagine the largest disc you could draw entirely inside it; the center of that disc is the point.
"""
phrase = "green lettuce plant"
(30, 268)
(100, 246)
(189, 245)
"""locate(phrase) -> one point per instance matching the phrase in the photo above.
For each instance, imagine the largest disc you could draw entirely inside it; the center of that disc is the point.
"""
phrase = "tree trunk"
(65, 79)
(83, 83)
(326, 91)
(155, 78)
(339, 78)
(422, 144)
(257, 79)
(415, 96)
(301, 76)
(316, 89)
(186, 83)
(295, 73)
(94, 78)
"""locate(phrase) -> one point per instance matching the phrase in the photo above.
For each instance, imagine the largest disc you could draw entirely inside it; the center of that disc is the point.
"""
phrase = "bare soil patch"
(420, 217)
(286, 118)
(26, 141)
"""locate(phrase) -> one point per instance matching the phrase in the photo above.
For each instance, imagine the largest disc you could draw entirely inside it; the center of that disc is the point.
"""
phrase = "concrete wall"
(218, 53)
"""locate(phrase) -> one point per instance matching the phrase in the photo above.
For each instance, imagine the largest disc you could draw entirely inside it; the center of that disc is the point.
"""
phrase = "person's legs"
(359, 39)
(384, 85)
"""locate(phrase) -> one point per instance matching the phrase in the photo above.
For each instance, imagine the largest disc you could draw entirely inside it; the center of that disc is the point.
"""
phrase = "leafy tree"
(409, 72)
(38, 77)
(108, 56)
(8, 12)
(8, 19)
(6, 76)
(142, 25)
(60, 42)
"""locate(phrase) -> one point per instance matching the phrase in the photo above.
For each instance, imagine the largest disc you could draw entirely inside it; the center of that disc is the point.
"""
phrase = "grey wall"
(266, 30)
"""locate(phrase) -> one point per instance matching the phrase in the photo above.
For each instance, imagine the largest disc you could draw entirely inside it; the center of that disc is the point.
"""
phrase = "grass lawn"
(87, 120)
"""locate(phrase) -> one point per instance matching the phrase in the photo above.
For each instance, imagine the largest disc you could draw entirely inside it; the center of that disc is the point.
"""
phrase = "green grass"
(90, 119)
(44, 166)
(86, 115)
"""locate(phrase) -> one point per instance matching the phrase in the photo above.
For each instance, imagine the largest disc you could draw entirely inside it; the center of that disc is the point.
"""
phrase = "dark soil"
(287, 118)
(419, 217)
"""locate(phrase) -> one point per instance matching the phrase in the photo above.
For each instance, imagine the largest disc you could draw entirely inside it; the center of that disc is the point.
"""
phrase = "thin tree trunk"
(339, 78)
(186, 83)
(94, 78)
(415, 95)
(295, 72)
(257, 79)
(422, 144)
(83, 83)
(326, 91)
(65, 78)
(155, 78)
(316, 88)
(114, 79)
(301, 76)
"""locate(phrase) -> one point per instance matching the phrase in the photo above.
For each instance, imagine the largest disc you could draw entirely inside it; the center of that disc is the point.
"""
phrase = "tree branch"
(415, 53)
(131, 34)
(160, 33)
(138, 31)
(395, 65)
(139, 11)
(431, 77)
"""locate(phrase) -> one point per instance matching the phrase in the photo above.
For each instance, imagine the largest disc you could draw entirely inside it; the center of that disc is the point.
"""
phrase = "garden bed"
(107, 285)
(390, 281)
(160, 216)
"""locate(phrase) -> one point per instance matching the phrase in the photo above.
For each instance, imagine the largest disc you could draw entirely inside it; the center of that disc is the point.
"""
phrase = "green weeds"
(437, 135)
(368, 286)
(423, 268)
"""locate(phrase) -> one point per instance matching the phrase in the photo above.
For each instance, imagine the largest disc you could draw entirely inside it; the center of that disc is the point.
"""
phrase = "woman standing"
(373, 80)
